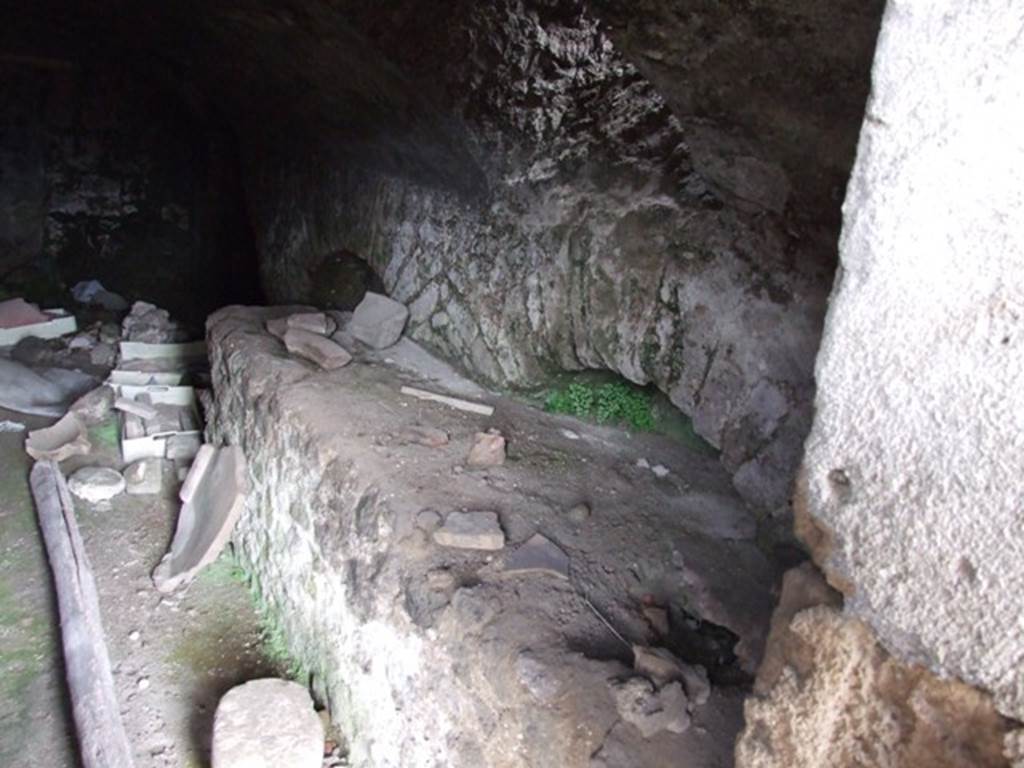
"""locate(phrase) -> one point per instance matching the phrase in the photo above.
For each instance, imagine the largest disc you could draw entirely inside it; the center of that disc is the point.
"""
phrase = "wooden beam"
(101, 736)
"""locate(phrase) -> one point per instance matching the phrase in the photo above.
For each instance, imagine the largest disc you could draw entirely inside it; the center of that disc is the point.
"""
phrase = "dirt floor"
(172, 656)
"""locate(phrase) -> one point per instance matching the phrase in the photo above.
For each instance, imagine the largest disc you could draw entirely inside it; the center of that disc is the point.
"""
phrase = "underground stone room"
(512, 384)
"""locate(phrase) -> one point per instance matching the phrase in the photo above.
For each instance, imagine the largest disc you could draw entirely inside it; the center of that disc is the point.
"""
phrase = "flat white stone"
(267, 723)
(95, 484)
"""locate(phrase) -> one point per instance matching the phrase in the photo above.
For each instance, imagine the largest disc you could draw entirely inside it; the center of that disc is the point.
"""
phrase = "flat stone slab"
(378, 321)
(144, 477)
(217, 486)
(318, 349)
(267, 723)
(538, 555)
(471, 530)
(96, 484)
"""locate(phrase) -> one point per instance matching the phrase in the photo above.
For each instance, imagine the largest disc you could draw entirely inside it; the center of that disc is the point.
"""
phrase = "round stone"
(96, 484)
(267, 723)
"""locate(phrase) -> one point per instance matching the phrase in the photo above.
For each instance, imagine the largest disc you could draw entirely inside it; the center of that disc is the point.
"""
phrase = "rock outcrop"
(466, 650)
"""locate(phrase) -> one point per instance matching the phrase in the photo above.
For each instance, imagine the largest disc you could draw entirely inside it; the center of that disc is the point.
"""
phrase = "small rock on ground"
(488, 450)
(316, 348)
(95, 484)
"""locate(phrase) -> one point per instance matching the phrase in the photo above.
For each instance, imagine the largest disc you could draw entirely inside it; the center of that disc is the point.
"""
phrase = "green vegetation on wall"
(611, 403)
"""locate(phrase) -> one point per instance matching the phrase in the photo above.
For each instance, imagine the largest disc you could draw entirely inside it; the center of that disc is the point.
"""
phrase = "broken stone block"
(96, 484)
(652, 711)
(314, 322)
(65, 438)
(471, 530)
(318, 349)
(144, 477)
(267, 723)
(538, 555)
(17, 312)
(378, 321)
(215, 501)
(488, 450)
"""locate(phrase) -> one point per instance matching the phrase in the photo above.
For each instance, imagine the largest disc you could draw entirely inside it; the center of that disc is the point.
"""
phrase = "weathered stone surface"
(96, 484)
(267, 723)
(378, 320)
(840, 700)
(215, 500)
(144, 477)
(398, 631)
(912, 483)
(488, 450)
(314, 347)
(471, 530)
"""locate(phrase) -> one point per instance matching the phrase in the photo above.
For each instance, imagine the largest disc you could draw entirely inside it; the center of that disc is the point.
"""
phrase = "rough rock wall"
(912, 481)
(103, 176)
(596, 244)
(829, 694)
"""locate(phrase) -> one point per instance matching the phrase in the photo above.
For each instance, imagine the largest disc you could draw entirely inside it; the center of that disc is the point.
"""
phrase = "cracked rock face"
(599, 243)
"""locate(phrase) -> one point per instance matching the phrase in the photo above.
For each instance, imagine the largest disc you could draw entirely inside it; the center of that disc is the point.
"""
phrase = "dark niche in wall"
(108, 176)
(341, 279)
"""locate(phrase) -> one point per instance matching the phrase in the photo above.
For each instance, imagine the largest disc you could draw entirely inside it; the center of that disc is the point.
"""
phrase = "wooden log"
(101, 736)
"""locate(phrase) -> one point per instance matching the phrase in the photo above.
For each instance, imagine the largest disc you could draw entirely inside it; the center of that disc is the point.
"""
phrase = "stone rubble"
(149, 324)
